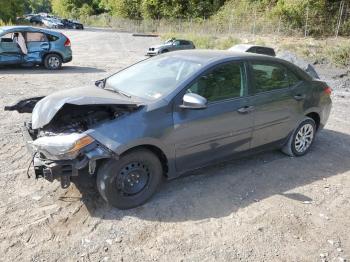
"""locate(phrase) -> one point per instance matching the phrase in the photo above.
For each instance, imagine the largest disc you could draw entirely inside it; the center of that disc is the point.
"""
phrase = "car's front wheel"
(131, 180)
(302, 138)
(53, 62)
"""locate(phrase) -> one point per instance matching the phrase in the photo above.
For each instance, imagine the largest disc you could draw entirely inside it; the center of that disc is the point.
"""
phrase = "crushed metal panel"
(45, 110)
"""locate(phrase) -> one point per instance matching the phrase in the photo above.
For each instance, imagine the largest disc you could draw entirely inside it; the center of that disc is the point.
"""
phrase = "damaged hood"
(45, 110)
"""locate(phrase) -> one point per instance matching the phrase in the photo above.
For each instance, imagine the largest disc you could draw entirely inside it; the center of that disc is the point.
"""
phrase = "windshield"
(153, 78)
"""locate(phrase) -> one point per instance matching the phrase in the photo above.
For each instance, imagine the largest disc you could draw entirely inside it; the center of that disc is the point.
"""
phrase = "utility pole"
(307, 20)
(341, 9)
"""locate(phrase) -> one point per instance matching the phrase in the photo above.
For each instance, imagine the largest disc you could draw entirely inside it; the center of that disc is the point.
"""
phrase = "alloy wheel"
(304, 138)
(54, 62)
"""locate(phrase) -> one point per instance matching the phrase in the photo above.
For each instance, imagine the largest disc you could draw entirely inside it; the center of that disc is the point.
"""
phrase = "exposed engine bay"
(79, 118)
(71, 118)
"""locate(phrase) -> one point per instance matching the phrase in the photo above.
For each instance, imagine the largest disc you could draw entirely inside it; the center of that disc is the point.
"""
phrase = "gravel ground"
(267, 207)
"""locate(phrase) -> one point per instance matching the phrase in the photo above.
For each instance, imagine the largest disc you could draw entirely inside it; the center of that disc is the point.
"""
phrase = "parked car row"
(51, 21)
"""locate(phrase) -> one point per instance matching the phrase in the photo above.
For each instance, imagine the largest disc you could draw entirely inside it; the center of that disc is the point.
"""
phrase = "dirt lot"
(267, 207)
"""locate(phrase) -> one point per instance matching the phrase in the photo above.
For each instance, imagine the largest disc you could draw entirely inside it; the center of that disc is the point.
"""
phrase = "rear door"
(221, 129)
(10, 52)
(276, 107)
(185, 45)
(37, 45)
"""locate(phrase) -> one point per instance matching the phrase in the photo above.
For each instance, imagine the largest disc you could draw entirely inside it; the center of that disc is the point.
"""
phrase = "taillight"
(328, 90)
(67, 42)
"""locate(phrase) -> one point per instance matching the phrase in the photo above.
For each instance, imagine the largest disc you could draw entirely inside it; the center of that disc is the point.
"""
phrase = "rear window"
(269, 77)
(293, 78)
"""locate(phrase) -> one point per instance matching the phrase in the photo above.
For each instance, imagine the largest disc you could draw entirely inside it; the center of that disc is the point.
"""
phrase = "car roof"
(208, 56)
(10, 29)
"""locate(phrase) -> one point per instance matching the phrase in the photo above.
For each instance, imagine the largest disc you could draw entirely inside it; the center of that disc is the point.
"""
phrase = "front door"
(10, 52)
(275, 107)
(221, 129)
(37, 45)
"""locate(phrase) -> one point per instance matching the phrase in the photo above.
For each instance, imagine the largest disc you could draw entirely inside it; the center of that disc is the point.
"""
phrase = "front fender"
(136, 129)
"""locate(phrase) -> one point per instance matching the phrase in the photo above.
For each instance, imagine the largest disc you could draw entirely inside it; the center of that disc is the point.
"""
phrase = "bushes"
(10, 9)
(339, 54)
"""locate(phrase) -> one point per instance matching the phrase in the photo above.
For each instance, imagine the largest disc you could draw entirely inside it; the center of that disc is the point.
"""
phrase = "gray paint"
(192, 138)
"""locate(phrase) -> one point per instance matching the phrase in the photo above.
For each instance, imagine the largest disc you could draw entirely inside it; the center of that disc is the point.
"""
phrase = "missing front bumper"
(55, 170)
(63, 170)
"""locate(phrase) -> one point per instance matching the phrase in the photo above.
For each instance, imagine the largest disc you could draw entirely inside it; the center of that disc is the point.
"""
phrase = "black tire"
(53, 62)
(291, 147)
(142, 167)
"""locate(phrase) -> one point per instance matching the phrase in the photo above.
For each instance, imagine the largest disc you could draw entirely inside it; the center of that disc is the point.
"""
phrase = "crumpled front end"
(62, 156)
(58, 135)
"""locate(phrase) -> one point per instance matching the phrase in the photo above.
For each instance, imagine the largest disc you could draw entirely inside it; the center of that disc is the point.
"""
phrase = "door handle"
(299, 97)
(246, 109)
(45, 45)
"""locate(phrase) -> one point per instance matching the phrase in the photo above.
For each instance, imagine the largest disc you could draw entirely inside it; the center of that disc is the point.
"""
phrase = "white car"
(52, 23)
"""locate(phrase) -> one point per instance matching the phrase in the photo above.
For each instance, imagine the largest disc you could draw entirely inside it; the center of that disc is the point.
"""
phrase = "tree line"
(291, 11)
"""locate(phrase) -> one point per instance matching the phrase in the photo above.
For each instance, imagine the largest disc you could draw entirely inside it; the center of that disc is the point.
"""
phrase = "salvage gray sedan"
(137, 128)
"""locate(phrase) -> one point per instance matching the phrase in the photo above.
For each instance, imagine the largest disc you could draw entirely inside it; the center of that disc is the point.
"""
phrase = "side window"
(52, 38)
(252, 50)
(7, 38)
(223, 82)
(293, 78)
(269, 77)
(36, 37)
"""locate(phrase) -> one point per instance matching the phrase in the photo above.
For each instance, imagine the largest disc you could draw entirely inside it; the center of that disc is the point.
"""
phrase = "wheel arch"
(155, 150)
(316, 117)
(52, 52)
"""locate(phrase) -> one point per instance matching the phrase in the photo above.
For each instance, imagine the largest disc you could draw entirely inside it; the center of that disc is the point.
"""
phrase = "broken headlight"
(62, 146)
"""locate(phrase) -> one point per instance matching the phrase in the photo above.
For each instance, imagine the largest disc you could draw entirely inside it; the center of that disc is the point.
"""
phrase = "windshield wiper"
(118, 92)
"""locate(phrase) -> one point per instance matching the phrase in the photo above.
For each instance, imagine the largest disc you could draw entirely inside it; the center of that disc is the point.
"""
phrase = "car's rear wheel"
(53, 62)
(131, 180)
(302, 138)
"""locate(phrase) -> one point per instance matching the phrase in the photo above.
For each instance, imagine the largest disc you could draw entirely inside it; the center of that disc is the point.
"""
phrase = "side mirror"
(100, 83)
(193, 101)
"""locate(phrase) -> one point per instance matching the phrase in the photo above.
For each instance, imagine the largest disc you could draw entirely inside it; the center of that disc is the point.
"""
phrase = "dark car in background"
(39, 47)
(70, 24)
(170, 45)
(262, 50)
(36, 19)
(171, 114)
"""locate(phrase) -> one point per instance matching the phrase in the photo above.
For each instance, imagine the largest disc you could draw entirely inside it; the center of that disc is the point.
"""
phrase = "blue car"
(25, 45)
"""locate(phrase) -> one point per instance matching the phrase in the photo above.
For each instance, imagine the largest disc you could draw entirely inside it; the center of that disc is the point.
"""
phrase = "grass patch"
(2, 23)
(339, 54)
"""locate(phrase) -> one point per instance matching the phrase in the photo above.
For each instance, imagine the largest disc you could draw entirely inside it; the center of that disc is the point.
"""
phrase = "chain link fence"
(254, 22)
